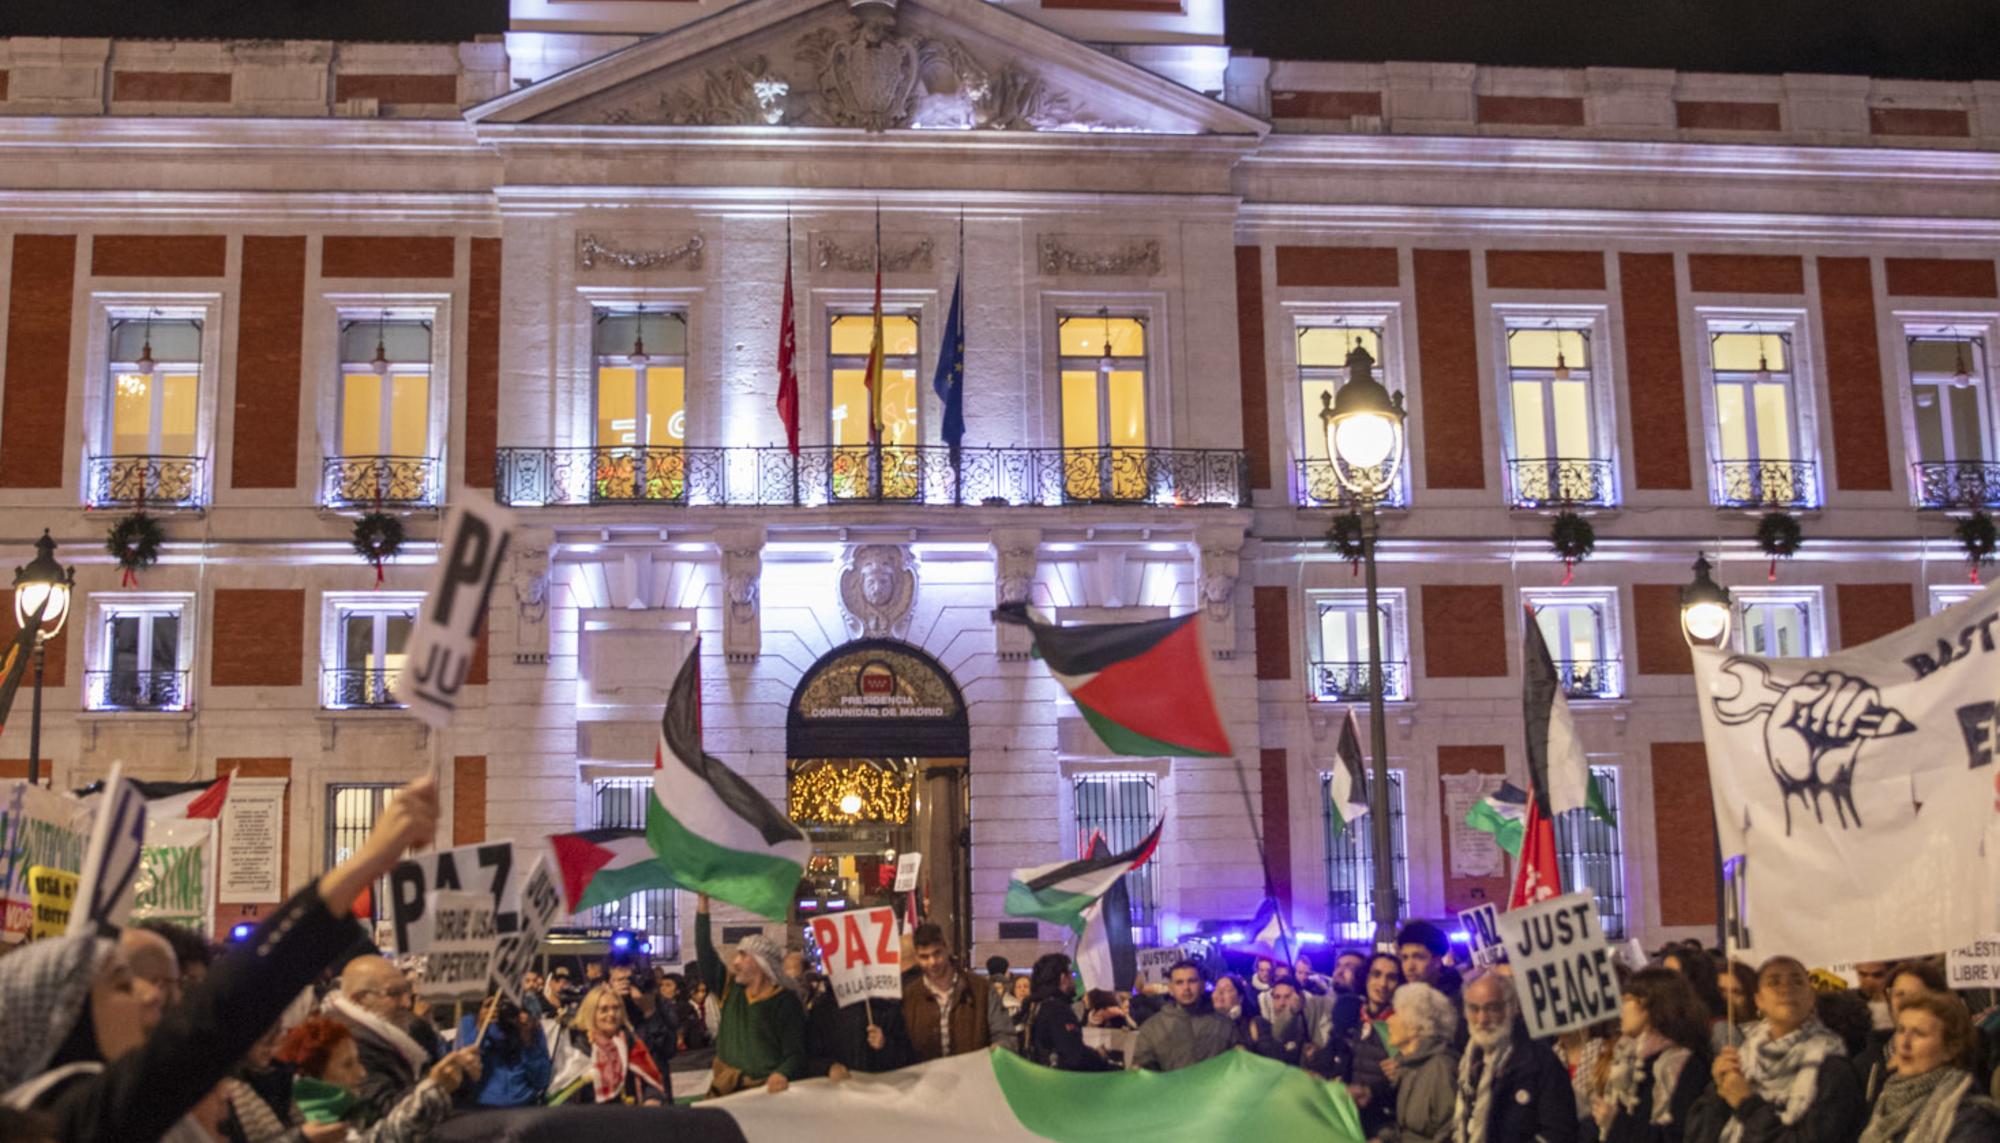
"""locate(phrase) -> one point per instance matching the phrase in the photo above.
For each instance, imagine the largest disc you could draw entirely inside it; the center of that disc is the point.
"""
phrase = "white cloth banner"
(1859, 789)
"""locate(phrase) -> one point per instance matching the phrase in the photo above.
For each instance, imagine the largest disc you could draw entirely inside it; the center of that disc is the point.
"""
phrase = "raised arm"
(707, 961)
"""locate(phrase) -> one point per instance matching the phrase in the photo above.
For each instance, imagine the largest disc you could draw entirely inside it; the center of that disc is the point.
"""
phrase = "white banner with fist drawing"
(1859, 789)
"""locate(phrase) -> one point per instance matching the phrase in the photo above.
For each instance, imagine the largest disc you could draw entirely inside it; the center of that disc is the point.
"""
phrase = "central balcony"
(359, 688)
(377, 481)
(1348, 681)
(1766, 484)
(1589, 678)
(1562, 482)
(145, 482)
(771, 476)
(135, 690)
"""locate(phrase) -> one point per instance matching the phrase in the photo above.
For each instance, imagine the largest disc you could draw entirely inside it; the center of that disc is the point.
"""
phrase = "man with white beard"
(1511, 1089)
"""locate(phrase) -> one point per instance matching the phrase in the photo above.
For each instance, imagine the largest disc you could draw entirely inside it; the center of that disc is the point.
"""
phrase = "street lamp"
(41, 600)
(1364, 440)
(1705, 610)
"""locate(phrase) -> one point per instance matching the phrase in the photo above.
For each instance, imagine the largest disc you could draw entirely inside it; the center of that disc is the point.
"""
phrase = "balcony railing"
(1314, 485)
(1961, 484)
(369, 481)
(1766, 484)
(893, 474)
(1562, 482)
(358, 688)
(145, 482)
(135, 690)
(1589, 678)
(1340, 681)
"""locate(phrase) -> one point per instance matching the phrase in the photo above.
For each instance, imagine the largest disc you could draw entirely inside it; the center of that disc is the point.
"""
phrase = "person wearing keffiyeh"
(1511, 1089)
(1660, 1063)
(1789, 1082)
(1931, 1098)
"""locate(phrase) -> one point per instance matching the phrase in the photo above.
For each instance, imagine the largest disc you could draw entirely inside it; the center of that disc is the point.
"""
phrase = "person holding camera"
(651, 1019)
(514, 1056)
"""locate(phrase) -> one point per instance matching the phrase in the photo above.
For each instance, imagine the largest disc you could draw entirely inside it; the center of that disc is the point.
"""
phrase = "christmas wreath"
(1345, 539)
(134, 541)
(378, 536)
(1779, 538)
(1573, 539)
(1977, 535)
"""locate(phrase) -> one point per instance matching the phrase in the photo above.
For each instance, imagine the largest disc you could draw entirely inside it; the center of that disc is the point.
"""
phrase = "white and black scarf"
(1478, 1071)
(1918, 1109)
(1631, 1059)
(396, 1038)
(1784, 1070)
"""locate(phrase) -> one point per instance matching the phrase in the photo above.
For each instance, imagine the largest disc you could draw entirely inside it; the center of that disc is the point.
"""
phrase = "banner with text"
(458, 960)
(541, 900)
(111, 859)
(487, 868)
(861, 952)
(1976, 965)
(1155, 964)
(51, 890)
(1563, 971)
(38, 827)
(454, 613)
(177, 874)
(1482, 925)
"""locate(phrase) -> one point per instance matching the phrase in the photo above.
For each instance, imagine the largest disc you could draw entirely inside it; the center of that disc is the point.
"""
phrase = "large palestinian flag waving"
(1143, 687)
(1060, 893)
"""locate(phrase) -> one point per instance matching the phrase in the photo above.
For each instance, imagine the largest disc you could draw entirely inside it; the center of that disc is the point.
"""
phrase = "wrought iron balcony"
(135, 690)
(1960, 484)
(1590, 678)
(771, 476)
(145, 482)
(1562, 482)
(369, 481)
(359, 688)
(1766, 484)
(1315, 485)
(1342, 681)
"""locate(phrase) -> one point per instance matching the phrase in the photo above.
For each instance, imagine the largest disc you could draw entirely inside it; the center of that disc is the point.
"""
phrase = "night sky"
(1929, 39)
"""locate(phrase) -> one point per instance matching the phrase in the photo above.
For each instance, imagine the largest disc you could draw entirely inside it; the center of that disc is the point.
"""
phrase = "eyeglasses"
(1497, 1008)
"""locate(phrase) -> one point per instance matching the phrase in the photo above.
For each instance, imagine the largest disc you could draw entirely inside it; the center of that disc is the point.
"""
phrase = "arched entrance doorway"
(876, 743)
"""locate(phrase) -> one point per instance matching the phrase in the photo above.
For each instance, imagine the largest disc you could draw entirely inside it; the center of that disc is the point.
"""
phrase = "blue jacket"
(518, 1082)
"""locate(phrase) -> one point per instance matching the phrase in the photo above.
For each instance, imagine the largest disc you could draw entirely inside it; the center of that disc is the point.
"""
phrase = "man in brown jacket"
(948, 1011)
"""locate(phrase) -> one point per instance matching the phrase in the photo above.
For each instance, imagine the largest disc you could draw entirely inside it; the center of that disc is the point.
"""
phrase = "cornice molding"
(377, 209)
(1286, 221)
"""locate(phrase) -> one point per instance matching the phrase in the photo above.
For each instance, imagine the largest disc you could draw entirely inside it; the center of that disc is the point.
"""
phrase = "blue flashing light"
(1312, 938)
(240, 932)
(622, 940)
(1232, 938)
(1461, 937)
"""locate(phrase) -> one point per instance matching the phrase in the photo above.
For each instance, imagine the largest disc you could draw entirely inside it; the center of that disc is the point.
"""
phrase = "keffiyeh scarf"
(1918, 1109)
(1784, 1070)
(608, 1067)
(1630, 1061)
(1478, 1071)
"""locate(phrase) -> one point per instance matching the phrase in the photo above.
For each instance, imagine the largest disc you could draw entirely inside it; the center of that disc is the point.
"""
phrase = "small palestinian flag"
(1558, 772)
(1504, 814)
(1143, 687)
(164, 800)
(1060, 893)
(1346, 789)
(599, 866)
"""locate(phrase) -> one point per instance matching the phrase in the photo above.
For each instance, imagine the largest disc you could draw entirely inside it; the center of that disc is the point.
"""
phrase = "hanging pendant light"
(1763, 362)
(1107, 363)
(1562, 364)
(1962, 377)
(146, 364)
(638, 357)
(379, 364)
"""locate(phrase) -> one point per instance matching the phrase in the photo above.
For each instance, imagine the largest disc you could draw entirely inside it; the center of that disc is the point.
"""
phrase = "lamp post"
(41, 599)
(1705, 615)
(1364, 440)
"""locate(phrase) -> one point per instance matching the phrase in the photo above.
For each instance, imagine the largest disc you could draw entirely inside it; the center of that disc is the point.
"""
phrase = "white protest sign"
(1155, 964)
(1482, 924)
(38, 828)
(906, 871)
(1563, 972)
(111, 860)
(541, 900)
(487, 869)
(1977, 965)
(862, 956)
(454, 613)
(459, 958)
(176, 881)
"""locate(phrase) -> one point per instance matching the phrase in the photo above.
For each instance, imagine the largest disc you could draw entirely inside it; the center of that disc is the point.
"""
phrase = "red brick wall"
(1277, 809)
(1338, 267)
(1854, 374)
(1703, 115)
(1466, 892)
(1465, 632)
(1448, 349)
(1324, 104)
(482, 364)
(1941, 277)
(55, 653)
(170, 87)
(1943, 122)
(1871, 610)
(363, 256)
(1658, 644)
(1530, 111)
(34, 415)
(1684, 833)
(159, 256)
(227, 916)
(468, 799)
(1251, 374)
(1271, 608)
(269, 363)
(476, 671)
(1655, 386)
(1746, 274)
(397, 88)
(259, 637)
(1544, 270)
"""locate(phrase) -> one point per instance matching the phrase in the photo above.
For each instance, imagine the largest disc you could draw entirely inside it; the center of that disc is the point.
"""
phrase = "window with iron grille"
(620, 803)
(1350, 863)
(351, 811)
(1123, 807)
(1593, 854)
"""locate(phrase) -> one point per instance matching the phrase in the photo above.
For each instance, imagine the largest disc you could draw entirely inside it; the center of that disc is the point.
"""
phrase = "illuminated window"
(141, 655)
(1761, 457)
(1580, 628)
(1121, 808)
(1103, 377)
(857, 473)
(1556, 456)
(1592, 854)
(1340, 664)
(1778, 622)
(641, 404)
(1952, 412)
(148, 451)
(385, 385)
(369, 655)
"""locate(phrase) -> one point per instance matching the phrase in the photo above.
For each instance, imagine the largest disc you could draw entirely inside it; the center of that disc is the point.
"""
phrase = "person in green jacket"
(763, 1035)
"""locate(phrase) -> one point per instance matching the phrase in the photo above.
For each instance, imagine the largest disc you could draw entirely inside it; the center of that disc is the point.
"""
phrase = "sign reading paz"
(454, 613)
(459, 958)
(1563, 973)
(863, 958)
(1482, 925)
(413, 885)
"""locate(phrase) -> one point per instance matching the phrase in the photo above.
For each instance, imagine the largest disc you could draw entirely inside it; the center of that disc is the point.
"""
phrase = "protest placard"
(37, 827)
(1482, 924)
(862, 955)
(1563, 973)
(1155, 964)
(447, 632)
(906, 871)
(111, 859)
(176, 874)
(541, 900)
(487, 868)
(51, 891)
(1976, 965)
(458, 960)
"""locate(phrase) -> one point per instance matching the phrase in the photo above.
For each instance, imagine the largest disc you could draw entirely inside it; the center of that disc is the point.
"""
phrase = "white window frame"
(1151, 308)
(1158, 772)
(1981, 328)
(339, 307)
(336, 608)
(1804, 396)
(1395, 638)
(1592, 322)
(105, 608)
(598, 361)
(1604, 601)
(109, 306)
(1811, 599)
(343, 369)
(914, 362)
(578, 410)
(1386, 318)
(1947, 595)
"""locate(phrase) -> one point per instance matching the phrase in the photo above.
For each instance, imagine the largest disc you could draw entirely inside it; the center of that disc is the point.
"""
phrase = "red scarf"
(610, 1065)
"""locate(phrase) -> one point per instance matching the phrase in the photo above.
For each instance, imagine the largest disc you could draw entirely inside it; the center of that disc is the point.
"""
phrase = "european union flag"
(950, 380)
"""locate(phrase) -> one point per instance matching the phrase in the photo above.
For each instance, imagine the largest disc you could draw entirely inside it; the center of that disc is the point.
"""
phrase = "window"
(1103, 377)
(1951, 595)
(1552, 413)
(1350, 864)
(1581, 630)
(1123, 808)
(620, 803)
(151, 432)
(368, 654)
(860, 472)
(1340, 668)
(641, 404)
(1760, 458)
(1323, 347)
(383, 437)
(1953, 418)
(1778, 624)
(351, 810)
(141, 657)
(1592, 853)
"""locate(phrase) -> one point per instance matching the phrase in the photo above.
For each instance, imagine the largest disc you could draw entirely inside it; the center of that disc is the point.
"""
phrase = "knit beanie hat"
(44, 988)
(769, 955)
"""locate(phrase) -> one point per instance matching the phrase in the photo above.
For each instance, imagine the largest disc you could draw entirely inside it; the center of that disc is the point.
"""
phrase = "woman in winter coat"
(599, 1060)
(1931, 1098)
(1422, 1024)
(1789, 1082)
(1660, 1064)
(330, 1072)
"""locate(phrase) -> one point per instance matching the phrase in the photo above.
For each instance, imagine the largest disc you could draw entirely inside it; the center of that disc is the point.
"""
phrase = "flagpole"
(1285, 934)
(875, 360)
(958, 332)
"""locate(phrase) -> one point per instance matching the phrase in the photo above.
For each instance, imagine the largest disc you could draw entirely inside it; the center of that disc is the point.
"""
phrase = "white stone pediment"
(876, 66)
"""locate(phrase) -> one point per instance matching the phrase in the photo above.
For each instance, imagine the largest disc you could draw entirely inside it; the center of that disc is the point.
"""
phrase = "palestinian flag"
(978, 1097)
(1143, 687)
(1346, 789)
(599, 866)
(1558, 772)
(1105, 956)
(200, 800)
(1504, 814)
(711, 829)
(1060, 893)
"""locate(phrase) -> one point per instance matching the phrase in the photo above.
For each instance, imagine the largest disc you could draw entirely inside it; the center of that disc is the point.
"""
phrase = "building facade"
(261, 291)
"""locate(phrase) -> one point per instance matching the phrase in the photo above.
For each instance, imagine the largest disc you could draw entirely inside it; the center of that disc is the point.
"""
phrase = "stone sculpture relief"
(528, 575)
(878, 589)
